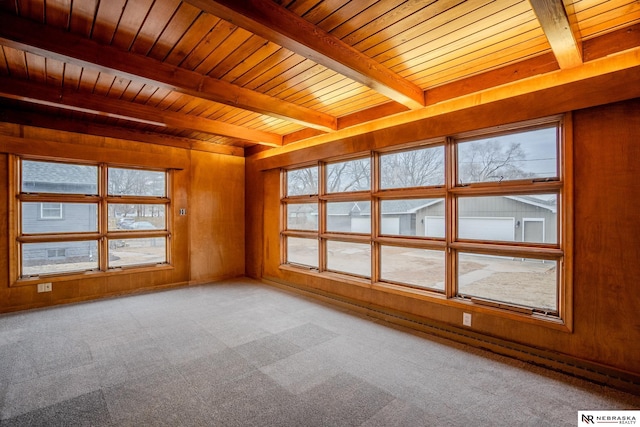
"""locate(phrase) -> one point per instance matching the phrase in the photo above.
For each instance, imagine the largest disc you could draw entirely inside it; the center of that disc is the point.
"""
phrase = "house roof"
(73, 178)
(56, 173)
(549, 202)
(391, 207)
(237, 77)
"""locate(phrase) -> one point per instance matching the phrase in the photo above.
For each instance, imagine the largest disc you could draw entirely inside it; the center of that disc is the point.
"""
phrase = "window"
(302, 217)
(346, 244)
(68, 224)
(348, 176)
(476, 218)
(56, 253)
(421, 167)
(50, 210)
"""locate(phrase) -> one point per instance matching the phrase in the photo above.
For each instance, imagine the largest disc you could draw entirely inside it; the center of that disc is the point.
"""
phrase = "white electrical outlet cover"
(466, 319)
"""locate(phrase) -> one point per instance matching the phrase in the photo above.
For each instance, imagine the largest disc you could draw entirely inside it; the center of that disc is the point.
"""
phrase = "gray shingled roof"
(53, 177)
(407, 206)
(390, 206)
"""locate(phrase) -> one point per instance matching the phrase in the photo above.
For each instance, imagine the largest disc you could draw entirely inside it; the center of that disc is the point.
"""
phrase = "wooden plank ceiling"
(234, 76)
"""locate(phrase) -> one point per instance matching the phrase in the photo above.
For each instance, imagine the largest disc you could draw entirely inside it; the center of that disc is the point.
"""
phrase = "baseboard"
(210, 280)
(77, 300)
(600, 374)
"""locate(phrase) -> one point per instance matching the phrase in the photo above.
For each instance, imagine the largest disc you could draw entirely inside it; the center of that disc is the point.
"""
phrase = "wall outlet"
(44, 287)
(466, 319)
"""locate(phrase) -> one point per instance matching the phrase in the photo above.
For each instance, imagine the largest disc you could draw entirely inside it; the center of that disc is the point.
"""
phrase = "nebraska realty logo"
(587, 418)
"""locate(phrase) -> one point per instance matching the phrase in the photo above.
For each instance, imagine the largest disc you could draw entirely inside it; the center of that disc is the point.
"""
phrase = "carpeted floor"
(245, 354)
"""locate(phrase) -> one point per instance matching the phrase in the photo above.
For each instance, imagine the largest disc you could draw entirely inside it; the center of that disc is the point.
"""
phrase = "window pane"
(51, 177)
(418, 267)
(137, 217)
(351, 258)
(123, 252)
(522, 218)
(302, 251)
(135, 182)
(302, 216)
(59, 217)
(352, 175)
(411, 217)
(302, 181)
(531, 154)
(349, 217)
(531, 283)
(414, 168)
(58, 257)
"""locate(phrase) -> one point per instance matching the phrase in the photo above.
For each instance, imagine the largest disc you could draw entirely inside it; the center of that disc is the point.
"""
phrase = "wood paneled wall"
(216, 206)
(207, 242)
(607, 234)
(606, 250)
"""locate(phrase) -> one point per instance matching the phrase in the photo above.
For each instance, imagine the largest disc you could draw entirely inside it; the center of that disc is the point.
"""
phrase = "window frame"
(102, 236)
(451, 245)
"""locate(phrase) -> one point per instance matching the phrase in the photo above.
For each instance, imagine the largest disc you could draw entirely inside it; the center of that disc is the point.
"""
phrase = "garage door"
(474, 228)
(434, 226)
(363, 225)
(487, 229)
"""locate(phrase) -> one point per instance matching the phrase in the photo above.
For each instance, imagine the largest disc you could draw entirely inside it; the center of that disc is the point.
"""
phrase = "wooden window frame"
(325, 197)
(102, 236)
(561, 251)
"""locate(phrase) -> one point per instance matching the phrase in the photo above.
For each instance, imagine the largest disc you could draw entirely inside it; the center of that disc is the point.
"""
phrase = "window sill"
(53, 278)
(436, 297)
(329, 275)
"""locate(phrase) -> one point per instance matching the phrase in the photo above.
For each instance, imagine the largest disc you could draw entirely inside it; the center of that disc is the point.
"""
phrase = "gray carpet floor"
(240, 353)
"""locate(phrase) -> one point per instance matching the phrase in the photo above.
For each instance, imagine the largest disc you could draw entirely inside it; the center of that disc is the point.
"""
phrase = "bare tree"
(302, 181)
(482, 161)
(479, 161)
(136, 182)
(413, 168)
(132, 182)
(352, 175)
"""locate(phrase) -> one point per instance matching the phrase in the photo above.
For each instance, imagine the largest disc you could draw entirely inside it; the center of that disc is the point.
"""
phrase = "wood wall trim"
(370, 114)
(66, 150)
(115, 294)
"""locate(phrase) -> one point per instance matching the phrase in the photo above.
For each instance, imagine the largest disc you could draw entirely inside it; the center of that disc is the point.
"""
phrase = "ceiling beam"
(37, 93)
(54, 43)
(28, 118)
(564, 41)
(277, 24)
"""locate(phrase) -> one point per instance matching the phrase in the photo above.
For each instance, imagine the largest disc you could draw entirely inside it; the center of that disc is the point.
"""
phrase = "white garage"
(363, 225)
(480, 228)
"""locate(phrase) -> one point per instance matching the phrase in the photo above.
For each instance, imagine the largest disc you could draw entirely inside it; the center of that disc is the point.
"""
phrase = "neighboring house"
(504, 218)
(37, 218)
